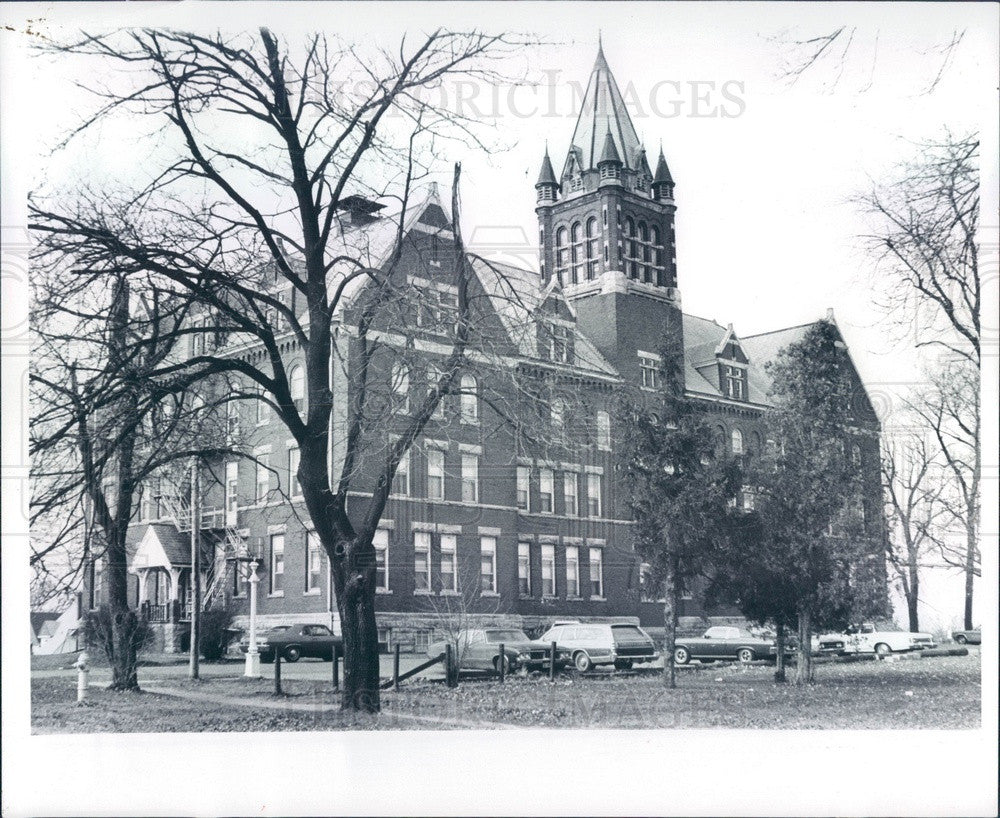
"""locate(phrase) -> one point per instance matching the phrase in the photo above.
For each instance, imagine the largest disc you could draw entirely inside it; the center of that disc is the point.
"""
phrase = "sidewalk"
(285, 705)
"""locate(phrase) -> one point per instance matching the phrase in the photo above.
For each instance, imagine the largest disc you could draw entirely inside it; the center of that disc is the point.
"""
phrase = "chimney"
(359, 209)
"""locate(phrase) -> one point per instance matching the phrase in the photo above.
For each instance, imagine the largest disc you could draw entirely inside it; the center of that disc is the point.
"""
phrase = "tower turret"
(547, 187)
(663, 182)
(610, 164)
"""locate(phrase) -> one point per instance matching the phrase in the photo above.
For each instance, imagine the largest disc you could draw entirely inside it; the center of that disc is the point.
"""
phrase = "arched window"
(855, 454)
(401, 387)
(576, 236)
(592, 248)
(297, 386)
(470, 399)
(737, 441)
(562, 251)
(755, 443)
(657, 248)
(630, 247)
(644, 238)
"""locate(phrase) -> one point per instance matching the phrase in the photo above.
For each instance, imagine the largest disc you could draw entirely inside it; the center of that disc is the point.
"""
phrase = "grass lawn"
(938, 692)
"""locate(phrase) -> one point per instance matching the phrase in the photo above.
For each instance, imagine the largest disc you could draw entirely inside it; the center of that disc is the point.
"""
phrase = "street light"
(252, 670)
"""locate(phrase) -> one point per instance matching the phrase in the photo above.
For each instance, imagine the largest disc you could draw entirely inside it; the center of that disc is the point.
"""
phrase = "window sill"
(598, 599)
(574, 598)
(446, 592)
(313, 592)
(275, 594)
(489, 594)
(423, 592)
(383, 591)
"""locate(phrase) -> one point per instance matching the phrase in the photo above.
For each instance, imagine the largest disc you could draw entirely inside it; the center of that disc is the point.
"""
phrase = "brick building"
(536, 524)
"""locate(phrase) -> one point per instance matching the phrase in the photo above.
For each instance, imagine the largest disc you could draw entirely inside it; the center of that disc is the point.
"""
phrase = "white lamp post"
(252, 670)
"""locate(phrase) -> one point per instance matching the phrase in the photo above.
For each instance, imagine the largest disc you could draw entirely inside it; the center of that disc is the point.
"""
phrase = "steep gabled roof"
(516, 295)
(604, 111)
(763, 348)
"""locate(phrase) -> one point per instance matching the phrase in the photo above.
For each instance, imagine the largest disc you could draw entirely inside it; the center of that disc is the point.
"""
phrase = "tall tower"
(606, 229)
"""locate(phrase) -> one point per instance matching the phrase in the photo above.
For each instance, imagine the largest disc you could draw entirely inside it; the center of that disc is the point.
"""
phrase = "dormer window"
(735, 384)
(554, 342)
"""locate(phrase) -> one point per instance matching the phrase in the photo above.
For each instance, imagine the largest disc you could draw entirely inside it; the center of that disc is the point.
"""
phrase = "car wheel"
(882, 649)
(681, 656)
(623, 664)
(961, 639)
(506, 664)
(581, 661)
(292, 654)
(745, 655)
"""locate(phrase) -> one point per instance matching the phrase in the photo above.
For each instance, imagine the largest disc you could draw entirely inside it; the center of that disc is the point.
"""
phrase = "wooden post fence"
(336, 668)
(502, 663)
(277, 672)
(395, 666)
(552, 662)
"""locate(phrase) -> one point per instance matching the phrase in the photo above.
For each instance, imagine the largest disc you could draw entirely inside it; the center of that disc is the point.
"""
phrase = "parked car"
(593, 644)
(296, 641)
(722, 642)
(479, 649)
(866, 638)
(970, 637)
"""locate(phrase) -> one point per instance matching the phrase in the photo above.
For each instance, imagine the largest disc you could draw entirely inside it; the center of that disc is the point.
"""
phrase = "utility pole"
(195, 572)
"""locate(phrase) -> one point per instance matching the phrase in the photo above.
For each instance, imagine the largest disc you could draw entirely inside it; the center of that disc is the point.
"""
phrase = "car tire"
(581, 661)
(745, 655)
(623, 664)
(292, 654)
(882, 650)
(961, 639)
(681, 656)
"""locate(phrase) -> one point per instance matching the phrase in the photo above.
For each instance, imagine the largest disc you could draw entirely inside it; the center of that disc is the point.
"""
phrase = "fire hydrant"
(82, 672)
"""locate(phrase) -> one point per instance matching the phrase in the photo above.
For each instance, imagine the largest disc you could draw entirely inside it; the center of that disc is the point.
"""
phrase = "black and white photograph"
(529, 408)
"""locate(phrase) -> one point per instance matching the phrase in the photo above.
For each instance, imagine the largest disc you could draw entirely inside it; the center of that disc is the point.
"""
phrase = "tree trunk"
(360, 634)
(912, 588)
(126, 627)
(123, 653)
(803, 664)
(670, 623)
(970, 556)
(911, 606)
(779, 659)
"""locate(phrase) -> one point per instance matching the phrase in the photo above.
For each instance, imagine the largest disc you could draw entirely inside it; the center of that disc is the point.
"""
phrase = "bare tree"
(845, 49)
(101, 428)
(950, 412)
(925, 222)
(249, 218)
(913, 490)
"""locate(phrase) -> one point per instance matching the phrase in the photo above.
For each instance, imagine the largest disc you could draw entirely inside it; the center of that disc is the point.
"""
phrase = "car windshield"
(626, 633)
(506, 636)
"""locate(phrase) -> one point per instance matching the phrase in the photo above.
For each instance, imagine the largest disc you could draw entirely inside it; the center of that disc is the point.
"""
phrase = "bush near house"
(216, 632)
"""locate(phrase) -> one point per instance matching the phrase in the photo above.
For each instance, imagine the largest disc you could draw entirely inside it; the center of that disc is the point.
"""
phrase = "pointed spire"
(662, 174)
(603, 109)
(610, 152)
(547, 175)
(641, 162)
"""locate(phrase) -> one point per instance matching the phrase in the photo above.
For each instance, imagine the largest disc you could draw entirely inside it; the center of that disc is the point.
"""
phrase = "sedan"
(479, 649)
(970, 637)
(723, 642)
(293, 642)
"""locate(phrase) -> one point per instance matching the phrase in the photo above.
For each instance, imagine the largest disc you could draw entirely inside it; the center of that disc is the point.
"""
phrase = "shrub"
(216, 632)
(97, 632)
